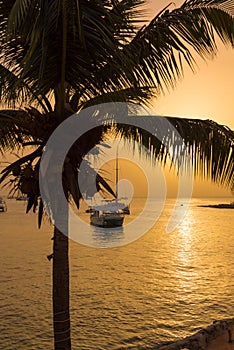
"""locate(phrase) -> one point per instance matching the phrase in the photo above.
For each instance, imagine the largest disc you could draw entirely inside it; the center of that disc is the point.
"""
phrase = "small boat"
(3, 206)
(106, 216)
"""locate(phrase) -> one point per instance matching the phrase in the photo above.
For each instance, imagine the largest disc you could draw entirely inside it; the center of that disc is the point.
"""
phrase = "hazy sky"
(208, 94)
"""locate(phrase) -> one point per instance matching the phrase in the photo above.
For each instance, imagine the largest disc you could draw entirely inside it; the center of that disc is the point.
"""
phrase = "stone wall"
(201, 339)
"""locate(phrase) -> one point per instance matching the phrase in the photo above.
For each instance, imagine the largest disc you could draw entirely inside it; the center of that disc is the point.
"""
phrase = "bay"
(159, 288)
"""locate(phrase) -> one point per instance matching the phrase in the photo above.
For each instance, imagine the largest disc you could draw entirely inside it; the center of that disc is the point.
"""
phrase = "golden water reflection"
(159, 288)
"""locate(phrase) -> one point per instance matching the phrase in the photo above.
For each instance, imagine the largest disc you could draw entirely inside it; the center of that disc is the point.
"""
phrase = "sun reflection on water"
(185, 269)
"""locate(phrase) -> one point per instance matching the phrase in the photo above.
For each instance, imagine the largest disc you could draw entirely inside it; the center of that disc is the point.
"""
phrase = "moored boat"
(3, 206)
(107, 216)
(110, 214)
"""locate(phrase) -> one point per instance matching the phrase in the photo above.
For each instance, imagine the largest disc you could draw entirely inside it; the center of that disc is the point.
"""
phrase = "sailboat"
(106, 216)
(112, 213)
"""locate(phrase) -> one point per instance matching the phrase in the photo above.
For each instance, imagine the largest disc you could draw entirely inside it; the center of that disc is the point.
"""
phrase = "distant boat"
(3, 206)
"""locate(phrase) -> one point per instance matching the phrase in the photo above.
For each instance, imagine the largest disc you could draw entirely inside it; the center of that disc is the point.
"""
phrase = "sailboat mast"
(116, 174)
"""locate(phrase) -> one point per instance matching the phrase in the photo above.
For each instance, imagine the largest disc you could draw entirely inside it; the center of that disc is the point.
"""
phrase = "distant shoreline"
(219, 206)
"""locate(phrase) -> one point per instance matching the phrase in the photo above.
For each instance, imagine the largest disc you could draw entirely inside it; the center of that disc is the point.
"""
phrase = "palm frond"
(210, 146)
(139, 95)
(105, 51)
(155, 56)
(12, 133)
(16, 165)
(104, 185)
(15, 91)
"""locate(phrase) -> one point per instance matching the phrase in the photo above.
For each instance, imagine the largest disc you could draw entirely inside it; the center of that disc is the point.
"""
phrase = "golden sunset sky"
(207, 94)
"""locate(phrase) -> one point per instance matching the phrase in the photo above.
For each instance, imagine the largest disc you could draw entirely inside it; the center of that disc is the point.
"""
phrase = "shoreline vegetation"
(206, 338)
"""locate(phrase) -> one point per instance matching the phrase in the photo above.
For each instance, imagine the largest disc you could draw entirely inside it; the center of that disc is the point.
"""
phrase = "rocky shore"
(202, 339)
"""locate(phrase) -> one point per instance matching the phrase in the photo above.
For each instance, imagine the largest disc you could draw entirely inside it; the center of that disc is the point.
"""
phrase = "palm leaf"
(28, 158)
(40, 213)
(169, 37)
(15, 90)
(210, 145)
(134, 94)
(113, 55)
(12, 133)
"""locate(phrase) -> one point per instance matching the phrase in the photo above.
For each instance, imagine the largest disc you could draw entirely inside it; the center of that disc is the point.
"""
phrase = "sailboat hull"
(107, 221)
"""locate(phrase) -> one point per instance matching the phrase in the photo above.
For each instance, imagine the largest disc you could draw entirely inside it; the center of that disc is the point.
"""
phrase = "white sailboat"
(112, 213)
(106, 216)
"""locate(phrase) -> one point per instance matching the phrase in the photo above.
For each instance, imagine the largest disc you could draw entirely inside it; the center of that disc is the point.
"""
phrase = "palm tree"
(58, 57)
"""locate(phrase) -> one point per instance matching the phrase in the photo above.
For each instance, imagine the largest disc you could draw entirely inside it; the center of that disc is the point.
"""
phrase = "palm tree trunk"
(62, 339)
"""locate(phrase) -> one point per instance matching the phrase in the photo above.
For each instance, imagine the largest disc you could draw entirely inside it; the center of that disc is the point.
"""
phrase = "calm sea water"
(159, 288)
